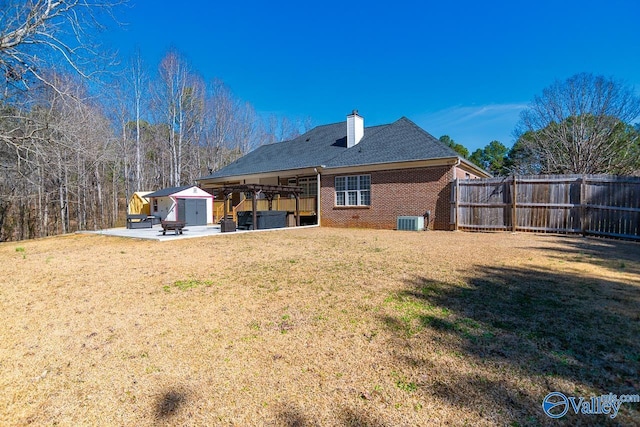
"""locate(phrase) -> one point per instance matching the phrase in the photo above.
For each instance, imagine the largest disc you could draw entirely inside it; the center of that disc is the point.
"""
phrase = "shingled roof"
(165, 192)
(326, 146)
(400, 141)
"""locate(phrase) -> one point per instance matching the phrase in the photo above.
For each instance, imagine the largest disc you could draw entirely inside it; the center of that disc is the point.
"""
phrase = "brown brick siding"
(393, 193)
(462, 174)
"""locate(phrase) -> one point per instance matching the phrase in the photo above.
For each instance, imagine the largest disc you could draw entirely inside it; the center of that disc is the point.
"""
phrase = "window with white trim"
(353, 190)
(309, 185)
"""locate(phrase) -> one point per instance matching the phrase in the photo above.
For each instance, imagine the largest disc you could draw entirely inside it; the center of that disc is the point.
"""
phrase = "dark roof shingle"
(326, 146)
(312, 149)
(400, 141)
(168, 191)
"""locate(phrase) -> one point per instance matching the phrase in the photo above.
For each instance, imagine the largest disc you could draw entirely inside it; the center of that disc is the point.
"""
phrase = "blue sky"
(462, 68)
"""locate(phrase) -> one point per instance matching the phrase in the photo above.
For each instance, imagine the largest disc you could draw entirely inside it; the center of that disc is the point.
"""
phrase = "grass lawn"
(319, 327)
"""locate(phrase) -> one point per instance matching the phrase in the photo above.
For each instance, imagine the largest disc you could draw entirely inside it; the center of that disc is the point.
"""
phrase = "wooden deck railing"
(307, 206)
(218, 210)
(239, 207)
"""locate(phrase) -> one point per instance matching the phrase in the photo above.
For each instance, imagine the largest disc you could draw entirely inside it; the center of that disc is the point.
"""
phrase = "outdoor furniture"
(135, 221)
(227, 225)
(253, 223)
(265, 220)
(245, 220)
(176, 226)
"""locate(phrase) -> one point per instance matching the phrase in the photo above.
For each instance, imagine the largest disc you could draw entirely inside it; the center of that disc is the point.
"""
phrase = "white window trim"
(309, 185)
(359, 191)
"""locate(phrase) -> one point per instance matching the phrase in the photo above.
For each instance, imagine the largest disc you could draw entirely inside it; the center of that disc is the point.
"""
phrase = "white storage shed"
(190, 204)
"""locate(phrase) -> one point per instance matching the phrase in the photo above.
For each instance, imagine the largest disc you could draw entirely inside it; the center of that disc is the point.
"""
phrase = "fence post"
(583, 208)
(514, 197)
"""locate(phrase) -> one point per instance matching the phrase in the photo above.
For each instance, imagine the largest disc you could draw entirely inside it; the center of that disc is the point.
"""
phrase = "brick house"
(354, 176)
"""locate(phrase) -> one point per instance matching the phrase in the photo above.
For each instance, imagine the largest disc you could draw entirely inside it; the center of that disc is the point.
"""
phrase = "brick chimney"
(355, 128)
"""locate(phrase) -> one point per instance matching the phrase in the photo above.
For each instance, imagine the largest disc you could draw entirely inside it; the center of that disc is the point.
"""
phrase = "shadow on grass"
(291, 416)
(615, 255)
(541, 327)
(169, 403)
(352, 418)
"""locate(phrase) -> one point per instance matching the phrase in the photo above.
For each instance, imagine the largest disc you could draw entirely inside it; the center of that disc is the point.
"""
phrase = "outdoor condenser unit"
(410, 223)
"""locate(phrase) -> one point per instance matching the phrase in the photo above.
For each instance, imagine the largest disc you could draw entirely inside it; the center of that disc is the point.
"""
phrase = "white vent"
(410, 223)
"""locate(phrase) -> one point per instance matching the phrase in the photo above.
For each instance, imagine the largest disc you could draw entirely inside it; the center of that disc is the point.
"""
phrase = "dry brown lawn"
(316, 327)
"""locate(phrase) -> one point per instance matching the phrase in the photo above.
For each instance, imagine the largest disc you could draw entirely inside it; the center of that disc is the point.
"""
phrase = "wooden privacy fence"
(601, 205)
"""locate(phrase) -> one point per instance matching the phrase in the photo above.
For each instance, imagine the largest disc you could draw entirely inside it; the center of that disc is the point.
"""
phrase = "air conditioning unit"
(410, 223)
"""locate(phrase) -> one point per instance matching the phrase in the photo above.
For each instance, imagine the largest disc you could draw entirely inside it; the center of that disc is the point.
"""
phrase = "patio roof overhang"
(224, 180)
(286, 190)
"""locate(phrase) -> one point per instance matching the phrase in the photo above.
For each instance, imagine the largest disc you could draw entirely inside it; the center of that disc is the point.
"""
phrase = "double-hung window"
(353, 190)
(309, 185)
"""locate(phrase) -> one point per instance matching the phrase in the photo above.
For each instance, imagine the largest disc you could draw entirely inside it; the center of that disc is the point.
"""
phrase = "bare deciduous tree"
(220, 113)
(139, 85)
(36, 34)
(232, 126)
(579, 126)
(179, 103)
(41, 40)
(56, 183)
(68, 158)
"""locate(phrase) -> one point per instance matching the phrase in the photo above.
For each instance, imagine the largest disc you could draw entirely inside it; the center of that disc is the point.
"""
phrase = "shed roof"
(141, 194)
(165, 192)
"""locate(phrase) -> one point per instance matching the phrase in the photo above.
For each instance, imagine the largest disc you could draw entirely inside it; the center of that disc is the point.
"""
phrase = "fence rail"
(600, 205)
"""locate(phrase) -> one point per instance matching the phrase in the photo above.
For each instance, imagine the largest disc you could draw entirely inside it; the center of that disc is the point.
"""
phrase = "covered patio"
(269, 192)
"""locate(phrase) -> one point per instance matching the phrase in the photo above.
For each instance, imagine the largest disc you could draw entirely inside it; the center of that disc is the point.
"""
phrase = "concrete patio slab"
(190, 232)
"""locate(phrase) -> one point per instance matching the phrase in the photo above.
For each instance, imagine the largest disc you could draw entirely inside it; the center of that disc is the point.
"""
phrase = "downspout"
(427, 215)
(455, 168)
(318, 208)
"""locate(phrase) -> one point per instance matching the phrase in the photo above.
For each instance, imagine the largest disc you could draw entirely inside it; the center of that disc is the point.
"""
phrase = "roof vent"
(355, 128)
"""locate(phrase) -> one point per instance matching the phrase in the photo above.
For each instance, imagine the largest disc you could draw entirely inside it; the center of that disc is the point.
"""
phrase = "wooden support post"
(254, 202)
(514, 207)
(297, 210)
(225, 201)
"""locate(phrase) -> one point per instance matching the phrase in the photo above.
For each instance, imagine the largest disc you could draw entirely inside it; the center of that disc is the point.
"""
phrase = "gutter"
(404, 164)
(317, 170)
(473, 166)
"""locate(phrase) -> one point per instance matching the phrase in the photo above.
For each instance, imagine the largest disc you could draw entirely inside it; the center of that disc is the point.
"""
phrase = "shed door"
(193, 211)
